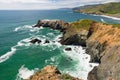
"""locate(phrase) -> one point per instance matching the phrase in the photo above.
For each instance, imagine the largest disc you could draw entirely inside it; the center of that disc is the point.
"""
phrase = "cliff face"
(104, 47)
(102, 43)
(76, 33)
(51, 73)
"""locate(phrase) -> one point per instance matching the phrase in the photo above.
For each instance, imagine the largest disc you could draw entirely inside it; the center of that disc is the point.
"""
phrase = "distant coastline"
(109, 10)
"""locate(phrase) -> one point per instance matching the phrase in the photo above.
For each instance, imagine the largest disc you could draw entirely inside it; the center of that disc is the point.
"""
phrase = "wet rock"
(68, 49)
(53, 41)
(86, 57)
(35, 40)
(47, 41)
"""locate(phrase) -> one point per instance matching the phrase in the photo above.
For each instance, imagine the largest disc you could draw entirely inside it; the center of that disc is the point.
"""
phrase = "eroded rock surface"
(104, 47)
(54, 24)
(51, 73)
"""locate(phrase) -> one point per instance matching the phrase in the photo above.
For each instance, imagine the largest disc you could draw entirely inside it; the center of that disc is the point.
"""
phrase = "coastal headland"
(101, 40)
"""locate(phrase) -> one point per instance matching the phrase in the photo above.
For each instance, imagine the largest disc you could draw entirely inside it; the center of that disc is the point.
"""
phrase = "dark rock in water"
(91, 65)
(35, 40)
(53, 41)
(68, 49)
(47, 41)
(86, 58)
(54, 24)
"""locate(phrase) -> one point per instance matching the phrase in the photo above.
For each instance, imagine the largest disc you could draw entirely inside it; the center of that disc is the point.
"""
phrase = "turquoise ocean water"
(19, 59)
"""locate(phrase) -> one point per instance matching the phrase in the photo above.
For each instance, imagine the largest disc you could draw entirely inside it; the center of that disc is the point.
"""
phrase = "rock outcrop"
(68, 49)
(35, 40)
(51, 73)
(76, 33)
(102, 42)
(54, 24)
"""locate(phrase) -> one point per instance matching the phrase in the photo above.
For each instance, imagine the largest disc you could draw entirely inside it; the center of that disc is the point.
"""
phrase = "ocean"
(19, 58)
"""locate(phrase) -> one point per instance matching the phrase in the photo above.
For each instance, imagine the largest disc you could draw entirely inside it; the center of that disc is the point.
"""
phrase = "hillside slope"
(109, 9)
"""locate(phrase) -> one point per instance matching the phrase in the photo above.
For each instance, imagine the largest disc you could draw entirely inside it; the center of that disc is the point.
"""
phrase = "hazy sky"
(46, 4)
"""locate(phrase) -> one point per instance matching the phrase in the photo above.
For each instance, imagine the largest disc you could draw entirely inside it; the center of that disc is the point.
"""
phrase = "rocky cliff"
(102, 42)
(104, 47)
(51, 73)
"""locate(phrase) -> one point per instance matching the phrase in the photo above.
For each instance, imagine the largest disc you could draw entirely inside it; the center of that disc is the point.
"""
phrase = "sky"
(46, 4)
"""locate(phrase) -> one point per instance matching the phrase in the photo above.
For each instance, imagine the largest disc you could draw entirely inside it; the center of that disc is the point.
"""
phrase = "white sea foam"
(23, 27)
(50, 19)
(28, 28)
(36, 29)
(115, 18)
(53, 44)
(6, 56)
(25, 73)
(83, 67)
(102, 20)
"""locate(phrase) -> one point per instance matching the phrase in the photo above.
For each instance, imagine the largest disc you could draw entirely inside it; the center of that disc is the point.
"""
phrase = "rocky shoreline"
(102, 42)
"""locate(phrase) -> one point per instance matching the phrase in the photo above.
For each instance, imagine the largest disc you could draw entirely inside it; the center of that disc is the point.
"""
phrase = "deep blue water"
(16, 27)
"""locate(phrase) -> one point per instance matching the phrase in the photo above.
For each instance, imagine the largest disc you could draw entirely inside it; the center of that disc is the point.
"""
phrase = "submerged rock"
(51, 73)
(35, 40)
(47, 41)
(68, 49)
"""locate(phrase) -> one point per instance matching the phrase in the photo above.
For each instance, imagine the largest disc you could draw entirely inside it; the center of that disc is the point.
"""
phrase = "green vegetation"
(67, 77)
(85, 24)
(116, 25)
(111, 57)
(82, 24)
(111, 9)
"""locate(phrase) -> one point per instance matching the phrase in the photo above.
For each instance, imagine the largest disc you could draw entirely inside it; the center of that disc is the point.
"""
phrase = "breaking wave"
(25, 73)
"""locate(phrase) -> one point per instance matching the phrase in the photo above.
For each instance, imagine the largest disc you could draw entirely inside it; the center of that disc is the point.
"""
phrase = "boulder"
(68, 49)
(35, 40)
(47, 41)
